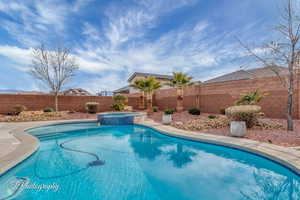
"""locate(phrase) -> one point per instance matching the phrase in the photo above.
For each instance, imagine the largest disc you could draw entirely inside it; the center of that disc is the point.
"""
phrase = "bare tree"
(53, 68)
(284, 52)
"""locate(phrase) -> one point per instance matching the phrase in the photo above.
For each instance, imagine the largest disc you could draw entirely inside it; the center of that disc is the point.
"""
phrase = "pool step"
(51, 135)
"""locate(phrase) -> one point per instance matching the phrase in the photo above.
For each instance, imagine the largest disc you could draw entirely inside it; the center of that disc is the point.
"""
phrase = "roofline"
(225, 81)
(250, 72)
(122, 88)
(148, 74)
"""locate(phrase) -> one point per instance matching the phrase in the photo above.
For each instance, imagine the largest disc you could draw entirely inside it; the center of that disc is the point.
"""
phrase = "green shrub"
(118, 106)
(155, 109)
(169, 111)
(212, 116)
(246, 113)
(92, 107)
(121, 99)
(49, 110)
(251, 98)
(18, 108)
(222, 111)
(194, 111)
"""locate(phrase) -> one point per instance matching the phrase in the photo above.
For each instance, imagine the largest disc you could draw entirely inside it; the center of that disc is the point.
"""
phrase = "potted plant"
(242, 117)
(167, 116)
(92, 107)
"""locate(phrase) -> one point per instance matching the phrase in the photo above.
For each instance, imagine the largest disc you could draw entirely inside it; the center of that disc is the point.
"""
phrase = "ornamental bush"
(118, 106)
(118, 98)
(120, 101)
(155, 109)
(222, 111)
(18, 108)
(251, 98)
(212, 116)
(92, 107)
(194, 111)
(169, 111)
(48, 109)
(246, 113)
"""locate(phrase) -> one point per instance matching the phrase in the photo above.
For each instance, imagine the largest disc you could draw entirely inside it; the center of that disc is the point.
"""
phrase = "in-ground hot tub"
(120, 118)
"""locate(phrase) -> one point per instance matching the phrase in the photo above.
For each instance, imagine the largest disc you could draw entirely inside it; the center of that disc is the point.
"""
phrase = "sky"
(111, 39)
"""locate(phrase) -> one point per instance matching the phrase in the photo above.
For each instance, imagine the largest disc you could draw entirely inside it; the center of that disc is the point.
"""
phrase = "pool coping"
(286, 156)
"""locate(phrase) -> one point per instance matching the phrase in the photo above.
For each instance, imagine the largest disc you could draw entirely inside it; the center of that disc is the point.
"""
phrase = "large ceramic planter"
(238, 128)
(167, 119)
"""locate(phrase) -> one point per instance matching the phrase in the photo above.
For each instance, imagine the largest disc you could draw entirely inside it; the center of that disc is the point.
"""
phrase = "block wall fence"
(209, 98)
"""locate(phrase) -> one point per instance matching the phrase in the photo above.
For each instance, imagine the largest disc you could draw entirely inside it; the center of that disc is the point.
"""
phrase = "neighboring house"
(104, 93)
(137, 75)
(250, 74)
(77, 92)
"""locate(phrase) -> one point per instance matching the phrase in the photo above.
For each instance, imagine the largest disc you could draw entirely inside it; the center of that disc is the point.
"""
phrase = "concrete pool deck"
(16, 145)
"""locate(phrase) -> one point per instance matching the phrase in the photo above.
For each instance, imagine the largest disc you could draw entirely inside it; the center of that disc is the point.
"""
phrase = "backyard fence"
(209, 98)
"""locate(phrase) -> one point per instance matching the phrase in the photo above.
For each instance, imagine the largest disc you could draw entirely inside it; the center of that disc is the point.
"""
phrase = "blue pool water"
(86, 161)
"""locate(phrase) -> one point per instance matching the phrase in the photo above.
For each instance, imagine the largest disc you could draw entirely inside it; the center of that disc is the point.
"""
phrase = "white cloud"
(104, 83)
(35, 21)
(20, 57)
(121, 44)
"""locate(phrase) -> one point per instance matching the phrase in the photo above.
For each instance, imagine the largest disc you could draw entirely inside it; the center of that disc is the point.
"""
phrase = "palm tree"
(147, 86)
(150, 85)
(180, 81)
(140, 85)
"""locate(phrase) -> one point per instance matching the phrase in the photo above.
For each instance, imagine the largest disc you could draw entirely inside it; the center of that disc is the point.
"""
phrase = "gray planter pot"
(238, 129)
(167, 119)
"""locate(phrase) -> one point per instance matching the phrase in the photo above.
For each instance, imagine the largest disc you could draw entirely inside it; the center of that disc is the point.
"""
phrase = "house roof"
(249, 74)
(161, 76)
(126, 88)
(77, 92)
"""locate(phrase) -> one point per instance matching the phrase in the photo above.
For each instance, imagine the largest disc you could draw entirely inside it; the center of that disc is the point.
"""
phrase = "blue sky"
(114, 38)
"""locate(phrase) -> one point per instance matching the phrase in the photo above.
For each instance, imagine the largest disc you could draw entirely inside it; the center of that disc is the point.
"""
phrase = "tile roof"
(122, 89)
(77, 92)
(249, 74)
(149, 74)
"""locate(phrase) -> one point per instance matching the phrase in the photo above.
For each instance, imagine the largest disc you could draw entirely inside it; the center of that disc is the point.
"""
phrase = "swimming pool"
(132, 162)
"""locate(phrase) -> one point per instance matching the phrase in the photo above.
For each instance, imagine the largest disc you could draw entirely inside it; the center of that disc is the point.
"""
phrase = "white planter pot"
(167, 119)
(238, 129)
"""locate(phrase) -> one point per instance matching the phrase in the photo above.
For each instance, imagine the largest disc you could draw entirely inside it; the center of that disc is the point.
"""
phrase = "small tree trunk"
(290, 124)
(56, 102)
(142, 101)
(179, 106)
(149, 101)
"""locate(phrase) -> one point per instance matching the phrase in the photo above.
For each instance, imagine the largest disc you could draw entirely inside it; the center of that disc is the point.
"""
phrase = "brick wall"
(219, 95)
(212, 97)
(209, 98)
(39, 102)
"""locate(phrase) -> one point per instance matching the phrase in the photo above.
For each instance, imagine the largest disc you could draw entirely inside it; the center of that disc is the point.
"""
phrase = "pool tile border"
(289, 157)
